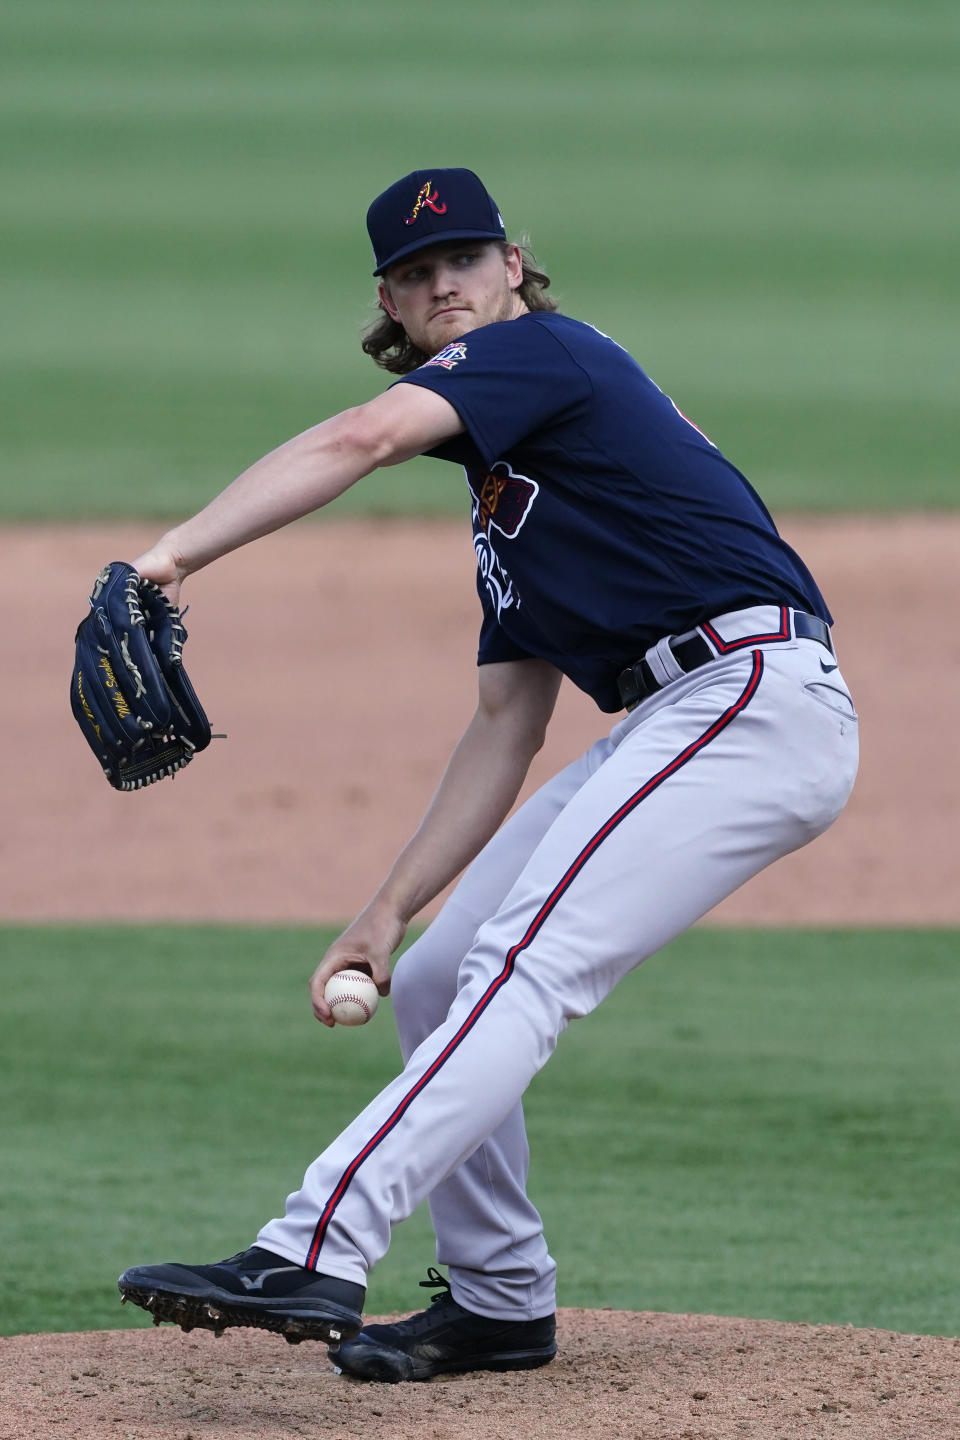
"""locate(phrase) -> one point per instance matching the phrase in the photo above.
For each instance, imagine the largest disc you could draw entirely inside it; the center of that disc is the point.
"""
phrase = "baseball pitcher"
(616, 546)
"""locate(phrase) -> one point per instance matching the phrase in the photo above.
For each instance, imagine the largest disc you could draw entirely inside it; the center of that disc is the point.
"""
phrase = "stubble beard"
(511, 306)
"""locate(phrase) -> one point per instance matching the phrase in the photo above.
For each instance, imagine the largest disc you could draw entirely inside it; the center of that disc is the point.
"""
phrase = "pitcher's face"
(444, 291)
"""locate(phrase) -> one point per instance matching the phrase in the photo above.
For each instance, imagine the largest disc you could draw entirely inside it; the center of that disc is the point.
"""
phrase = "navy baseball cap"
(427, 207)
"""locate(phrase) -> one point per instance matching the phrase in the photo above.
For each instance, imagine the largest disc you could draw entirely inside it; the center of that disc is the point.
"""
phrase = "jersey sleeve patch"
(449, 356)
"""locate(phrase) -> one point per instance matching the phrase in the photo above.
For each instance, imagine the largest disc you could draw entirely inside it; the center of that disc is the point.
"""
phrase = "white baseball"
(352, 997)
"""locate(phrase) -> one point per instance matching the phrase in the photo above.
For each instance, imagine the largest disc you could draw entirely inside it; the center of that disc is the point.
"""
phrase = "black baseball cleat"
(254, 1288)
(445, 1339)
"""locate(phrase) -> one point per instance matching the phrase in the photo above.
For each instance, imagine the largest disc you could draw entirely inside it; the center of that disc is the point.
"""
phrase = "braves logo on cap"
(503, 500)
(433, 202)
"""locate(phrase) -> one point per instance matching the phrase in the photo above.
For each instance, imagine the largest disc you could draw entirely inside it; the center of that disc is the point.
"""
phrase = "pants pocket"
(832, 696)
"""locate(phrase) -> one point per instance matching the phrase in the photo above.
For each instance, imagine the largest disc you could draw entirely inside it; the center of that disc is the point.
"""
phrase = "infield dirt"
(342, 669)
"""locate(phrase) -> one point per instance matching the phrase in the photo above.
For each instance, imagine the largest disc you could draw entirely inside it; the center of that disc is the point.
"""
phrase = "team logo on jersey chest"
(432, 202)
(502, 499)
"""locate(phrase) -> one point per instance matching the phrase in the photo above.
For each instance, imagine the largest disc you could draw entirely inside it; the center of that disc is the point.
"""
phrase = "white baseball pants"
(710, 780)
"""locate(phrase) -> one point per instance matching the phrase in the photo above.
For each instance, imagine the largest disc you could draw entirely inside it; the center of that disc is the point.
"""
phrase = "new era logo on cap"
(428, 207)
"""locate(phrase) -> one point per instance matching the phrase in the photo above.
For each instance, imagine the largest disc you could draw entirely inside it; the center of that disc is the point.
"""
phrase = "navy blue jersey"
(603, 519)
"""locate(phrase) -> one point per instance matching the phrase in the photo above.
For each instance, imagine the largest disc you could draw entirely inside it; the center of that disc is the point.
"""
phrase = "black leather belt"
(638, 681)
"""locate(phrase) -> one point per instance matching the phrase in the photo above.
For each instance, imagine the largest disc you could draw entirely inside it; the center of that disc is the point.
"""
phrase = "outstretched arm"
(302, 475)
(481, 782)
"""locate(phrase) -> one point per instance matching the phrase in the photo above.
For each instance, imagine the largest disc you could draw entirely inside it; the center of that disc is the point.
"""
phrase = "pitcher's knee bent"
(424, 983)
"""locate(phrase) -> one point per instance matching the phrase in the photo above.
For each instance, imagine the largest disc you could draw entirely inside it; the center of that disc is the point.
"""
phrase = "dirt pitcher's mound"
(617, 1377)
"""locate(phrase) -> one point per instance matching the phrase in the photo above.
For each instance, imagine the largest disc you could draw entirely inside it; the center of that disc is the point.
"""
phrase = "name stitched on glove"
(116, 694)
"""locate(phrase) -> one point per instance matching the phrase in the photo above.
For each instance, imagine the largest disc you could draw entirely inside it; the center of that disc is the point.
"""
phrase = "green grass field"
(757, 1123)
(758, 199)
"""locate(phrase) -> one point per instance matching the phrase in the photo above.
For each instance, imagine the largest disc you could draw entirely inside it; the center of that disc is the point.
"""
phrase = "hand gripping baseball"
(365, 945)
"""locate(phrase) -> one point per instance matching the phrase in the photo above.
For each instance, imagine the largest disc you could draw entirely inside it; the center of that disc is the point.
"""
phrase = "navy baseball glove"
(130, 693)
